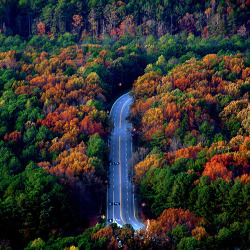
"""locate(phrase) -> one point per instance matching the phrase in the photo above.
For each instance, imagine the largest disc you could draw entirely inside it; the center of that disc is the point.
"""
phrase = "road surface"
(120, 197)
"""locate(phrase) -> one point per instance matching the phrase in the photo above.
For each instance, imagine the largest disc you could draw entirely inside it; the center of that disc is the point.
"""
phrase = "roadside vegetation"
(61, 66)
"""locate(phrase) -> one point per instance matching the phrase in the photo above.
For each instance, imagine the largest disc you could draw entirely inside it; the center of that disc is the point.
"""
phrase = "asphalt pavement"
(120, 196)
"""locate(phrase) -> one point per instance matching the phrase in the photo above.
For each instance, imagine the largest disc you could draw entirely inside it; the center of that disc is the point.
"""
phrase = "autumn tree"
(93, 22)
(72, 163)
(14, 136)
(149, 163)
(110, 14)
(168, 220)
(40, 28)
(216, 168)
(187, 23)
(77, 23)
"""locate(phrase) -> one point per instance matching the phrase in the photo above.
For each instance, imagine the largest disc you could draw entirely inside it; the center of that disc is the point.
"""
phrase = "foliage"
(196, 116)
(61, 65)
(116, 18)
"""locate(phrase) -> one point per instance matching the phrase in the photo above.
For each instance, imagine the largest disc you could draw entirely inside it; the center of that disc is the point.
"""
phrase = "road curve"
(120, 194)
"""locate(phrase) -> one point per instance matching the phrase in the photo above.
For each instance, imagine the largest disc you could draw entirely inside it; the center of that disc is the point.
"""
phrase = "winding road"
(120, 194)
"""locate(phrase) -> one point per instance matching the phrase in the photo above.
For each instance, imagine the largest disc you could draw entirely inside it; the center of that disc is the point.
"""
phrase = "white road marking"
(113, 205)
(126, 144)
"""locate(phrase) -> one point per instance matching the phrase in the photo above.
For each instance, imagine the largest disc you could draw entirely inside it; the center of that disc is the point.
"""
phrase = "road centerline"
(120, 144)
(121, 113)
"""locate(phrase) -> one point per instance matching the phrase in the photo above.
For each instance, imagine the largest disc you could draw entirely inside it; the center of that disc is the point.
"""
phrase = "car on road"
(114, 163)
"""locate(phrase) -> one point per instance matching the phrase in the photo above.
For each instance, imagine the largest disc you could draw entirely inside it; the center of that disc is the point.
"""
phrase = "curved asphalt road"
(120, 196)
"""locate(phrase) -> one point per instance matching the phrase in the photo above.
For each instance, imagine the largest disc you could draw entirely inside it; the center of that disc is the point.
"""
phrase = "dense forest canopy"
(114, 18)
(63, 63)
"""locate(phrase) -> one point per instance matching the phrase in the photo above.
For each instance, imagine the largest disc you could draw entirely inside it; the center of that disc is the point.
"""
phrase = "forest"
(62, 65)
(115, 18)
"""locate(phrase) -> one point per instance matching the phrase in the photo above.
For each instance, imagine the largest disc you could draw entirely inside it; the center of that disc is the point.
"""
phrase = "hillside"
(115, 18)
(64, 63)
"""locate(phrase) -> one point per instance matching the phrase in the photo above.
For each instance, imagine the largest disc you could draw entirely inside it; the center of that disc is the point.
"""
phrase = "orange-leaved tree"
(169, 219)
(73, 163)
(217, 167)
(40, 28)
(77, 23)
